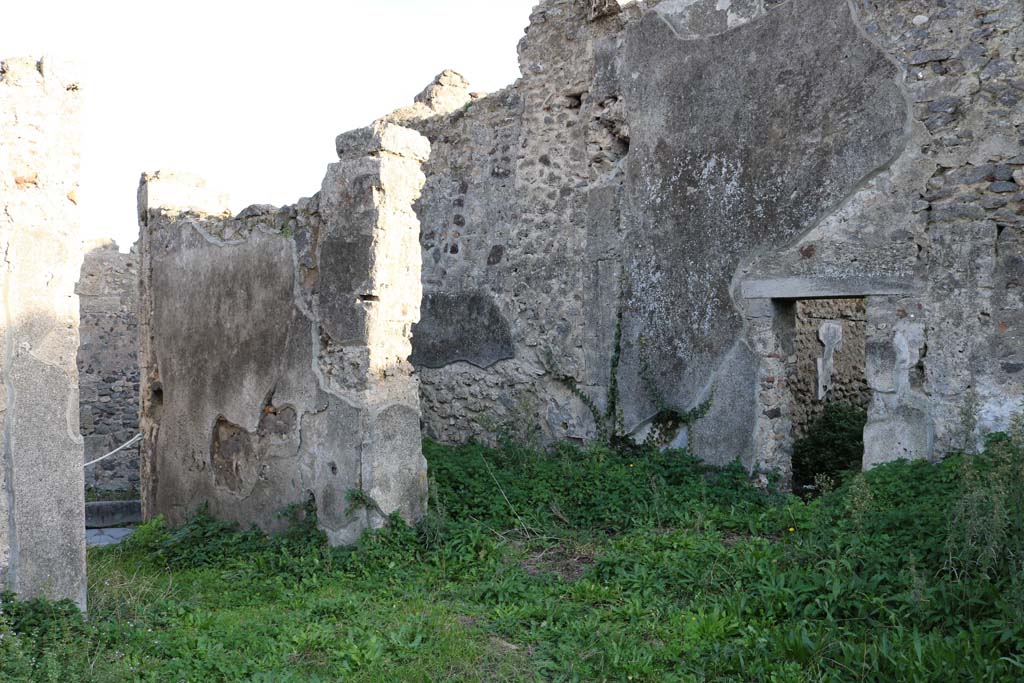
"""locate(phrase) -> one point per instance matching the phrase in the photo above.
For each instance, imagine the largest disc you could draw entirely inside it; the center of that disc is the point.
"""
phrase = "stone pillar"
(770, 334)
(370, 298)
(274, 345)
(900, 422)
(42, 504)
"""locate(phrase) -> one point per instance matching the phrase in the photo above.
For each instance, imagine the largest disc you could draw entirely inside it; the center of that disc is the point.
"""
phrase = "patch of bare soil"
(569, 563)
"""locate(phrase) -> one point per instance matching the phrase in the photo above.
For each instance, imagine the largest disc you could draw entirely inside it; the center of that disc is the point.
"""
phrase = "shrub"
(908, 572)
(986, 529)
(834, 444)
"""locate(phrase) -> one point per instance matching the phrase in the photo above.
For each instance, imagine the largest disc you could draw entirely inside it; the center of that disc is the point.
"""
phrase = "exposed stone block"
(172, 192)
(383, 137)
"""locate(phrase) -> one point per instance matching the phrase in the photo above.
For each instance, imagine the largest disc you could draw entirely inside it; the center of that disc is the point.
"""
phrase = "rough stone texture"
(42, 502)
(684, 172)
(849, 383)
(504, 215)
(275, 345)
(699, 165)
(108, 365)
(930, 237)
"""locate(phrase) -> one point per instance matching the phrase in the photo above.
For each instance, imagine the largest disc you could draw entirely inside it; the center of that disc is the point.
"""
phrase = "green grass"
(571, 565)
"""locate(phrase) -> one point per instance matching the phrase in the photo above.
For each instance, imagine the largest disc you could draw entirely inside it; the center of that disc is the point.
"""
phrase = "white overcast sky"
(248, 94)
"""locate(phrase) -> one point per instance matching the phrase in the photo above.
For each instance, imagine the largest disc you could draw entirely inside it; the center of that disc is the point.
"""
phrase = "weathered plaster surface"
(275, 345)
(741, 141)
(689, 162)
(42, 505)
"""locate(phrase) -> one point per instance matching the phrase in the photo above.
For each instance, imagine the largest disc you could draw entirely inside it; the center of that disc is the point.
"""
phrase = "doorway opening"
(829, 391)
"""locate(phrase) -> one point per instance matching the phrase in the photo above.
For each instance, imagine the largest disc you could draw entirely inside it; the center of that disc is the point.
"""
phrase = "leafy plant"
(610, 425)
(986, 530)
(667, 422)
(658, 568)
(359, 499)
(833, 446)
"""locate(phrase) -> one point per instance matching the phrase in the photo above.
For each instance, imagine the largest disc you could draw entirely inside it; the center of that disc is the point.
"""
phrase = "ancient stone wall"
(965, 79)
(516, 290)
(108, 365)
(930, 238)
(275, 344)
(682, 171)
(639, 213)
(42, 509)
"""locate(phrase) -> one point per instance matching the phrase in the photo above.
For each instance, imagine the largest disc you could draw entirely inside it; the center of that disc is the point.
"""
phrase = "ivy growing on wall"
(610, 424)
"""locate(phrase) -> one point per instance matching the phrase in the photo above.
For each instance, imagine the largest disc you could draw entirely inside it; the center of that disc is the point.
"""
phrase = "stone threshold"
(104, 514)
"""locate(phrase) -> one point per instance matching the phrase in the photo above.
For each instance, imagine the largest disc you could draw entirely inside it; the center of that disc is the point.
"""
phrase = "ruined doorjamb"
(898, 423)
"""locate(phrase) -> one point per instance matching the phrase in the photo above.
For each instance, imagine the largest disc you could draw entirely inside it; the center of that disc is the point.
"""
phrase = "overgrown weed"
(571, 564)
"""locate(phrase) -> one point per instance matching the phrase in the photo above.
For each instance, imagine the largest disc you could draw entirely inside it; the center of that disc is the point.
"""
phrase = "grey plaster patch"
(737, 145)
(905, 432)
(461, 326)
(817, 286)
(347, 258)
(726, 433)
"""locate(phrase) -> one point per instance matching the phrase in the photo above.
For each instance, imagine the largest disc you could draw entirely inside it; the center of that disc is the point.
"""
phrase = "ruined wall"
(641, 210)
(42, 509)
(511, 271)
(274, 345)
(698, 165)
(108, 365)
(965, 80)
(929, 238)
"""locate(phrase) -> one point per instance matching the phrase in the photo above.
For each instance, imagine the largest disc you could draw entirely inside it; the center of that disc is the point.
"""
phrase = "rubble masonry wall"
(694, 165)
(108, 365)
